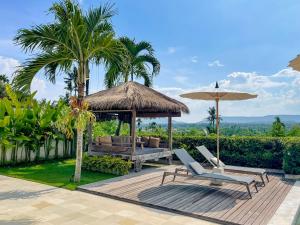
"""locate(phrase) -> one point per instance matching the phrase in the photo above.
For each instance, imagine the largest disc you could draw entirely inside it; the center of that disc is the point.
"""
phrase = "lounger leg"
(176, 171)
(267, 177)
(255, 185)
(163, 179)
(262, 179)
(248, 189)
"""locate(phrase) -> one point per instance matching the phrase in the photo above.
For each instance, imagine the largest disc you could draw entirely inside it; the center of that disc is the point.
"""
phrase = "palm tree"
(212, 119)
(76, 39)
(141, 63)
(71, 82)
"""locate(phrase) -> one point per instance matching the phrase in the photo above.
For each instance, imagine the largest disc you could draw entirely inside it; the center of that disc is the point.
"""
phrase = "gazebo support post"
(137, 161)
(170, 138)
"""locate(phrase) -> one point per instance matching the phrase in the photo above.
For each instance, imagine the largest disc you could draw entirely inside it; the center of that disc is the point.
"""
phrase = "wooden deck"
(229, 204)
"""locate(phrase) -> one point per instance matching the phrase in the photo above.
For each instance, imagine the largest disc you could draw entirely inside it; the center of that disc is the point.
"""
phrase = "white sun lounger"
(236, 169)
(198, 172)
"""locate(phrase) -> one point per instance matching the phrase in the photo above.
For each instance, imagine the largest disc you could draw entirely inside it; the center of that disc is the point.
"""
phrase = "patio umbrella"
(295, 63)
(218, 96)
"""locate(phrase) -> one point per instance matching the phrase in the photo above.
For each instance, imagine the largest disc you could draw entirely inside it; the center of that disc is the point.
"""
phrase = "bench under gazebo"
(127, 102)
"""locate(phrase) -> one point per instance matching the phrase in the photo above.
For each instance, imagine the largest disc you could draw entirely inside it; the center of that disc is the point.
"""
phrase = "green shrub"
(291, 158)
(264, 152)
(106, 164)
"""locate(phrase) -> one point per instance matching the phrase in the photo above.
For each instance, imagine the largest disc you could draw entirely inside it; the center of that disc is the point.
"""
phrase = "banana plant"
(27, 125)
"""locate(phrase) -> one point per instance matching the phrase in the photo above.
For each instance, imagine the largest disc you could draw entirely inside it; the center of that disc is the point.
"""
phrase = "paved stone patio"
(28, 203)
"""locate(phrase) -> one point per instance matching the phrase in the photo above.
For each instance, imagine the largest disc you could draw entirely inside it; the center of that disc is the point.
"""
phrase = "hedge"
(106, 164)
(263, 152)
(291, 156)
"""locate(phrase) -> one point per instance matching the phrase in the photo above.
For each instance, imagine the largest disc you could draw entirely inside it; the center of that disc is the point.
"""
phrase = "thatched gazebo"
(129, 101)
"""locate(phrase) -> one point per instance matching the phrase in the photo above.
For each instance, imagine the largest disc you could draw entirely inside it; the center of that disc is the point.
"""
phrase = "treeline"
(227, 129)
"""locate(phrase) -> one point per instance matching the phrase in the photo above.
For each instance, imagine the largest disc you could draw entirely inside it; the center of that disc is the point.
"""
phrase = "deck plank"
(254, 208)
(240, 204)
(228, 204)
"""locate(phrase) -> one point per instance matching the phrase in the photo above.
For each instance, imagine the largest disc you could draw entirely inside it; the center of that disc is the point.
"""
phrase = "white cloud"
(181, 79)
(172, 50)
(215, 63)
(277, 94)
(194, 59)
(38, 85)
(47, 90)
(8, 65)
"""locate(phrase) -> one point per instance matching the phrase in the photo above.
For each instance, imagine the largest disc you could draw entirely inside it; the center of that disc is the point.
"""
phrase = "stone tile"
(37, 204)
(42, 205)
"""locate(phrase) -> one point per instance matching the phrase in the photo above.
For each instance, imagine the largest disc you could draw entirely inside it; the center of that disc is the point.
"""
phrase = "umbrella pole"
(218, 133)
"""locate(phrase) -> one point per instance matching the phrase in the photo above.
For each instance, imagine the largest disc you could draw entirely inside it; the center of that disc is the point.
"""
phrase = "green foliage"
(278, 128)
(3, 81)
(29, 124)
(106, 164)
(291, 158)
(294, 131)
(108, 128)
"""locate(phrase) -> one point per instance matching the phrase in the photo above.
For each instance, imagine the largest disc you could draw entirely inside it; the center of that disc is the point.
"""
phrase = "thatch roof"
(134, 96)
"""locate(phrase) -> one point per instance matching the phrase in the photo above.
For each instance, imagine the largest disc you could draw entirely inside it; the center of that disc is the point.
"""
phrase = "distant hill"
(259, 119)
(267, 120)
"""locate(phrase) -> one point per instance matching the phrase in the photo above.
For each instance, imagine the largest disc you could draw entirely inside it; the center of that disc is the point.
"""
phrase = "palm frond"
(50, 61)
(142, 59)
(112, 76)
(129, 45)
(97, 18)
(144, 46)
(108, 49)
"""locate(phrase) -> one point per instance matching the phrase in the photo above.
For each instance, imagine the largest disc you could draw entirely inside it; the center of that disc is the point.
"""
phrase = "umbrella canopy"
(295, 63)
(229, 96)
(217, 96)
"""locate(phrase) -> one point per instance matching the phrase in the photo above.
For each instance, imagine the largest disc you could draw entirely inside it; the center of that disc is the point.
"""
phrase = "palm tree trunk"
(87, 87)
(81, 84)
(77, 174)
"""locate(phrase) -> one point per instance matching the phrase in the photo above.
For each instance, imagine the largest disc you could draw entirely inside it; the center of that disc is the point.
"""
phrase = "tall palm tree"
(74, 38)
(141, 63)
(71, 82)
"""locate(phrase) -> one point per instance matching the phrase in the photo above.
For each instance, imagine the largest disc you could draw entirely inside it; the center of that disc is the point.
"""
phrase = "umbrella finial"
(217, 85)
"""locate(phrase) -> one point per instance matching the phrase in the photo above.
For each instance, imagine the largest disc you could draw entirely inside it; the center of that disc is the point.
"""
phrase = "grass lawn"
(56, 173)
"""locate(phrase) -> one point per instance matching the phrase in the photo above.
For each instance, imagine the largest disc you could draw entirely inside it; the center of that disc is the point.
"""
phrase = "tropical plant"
(76, 39)
(27, 125)
(106, 164)
(3, 81)
(278, 128)
(141, 63)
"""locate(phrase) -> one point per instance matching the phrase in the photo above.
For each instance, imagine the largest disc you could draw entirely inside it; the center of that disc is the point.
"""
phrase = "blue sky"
(246, 45)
